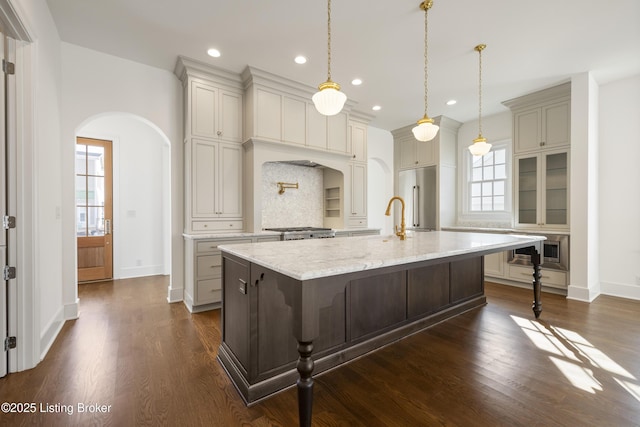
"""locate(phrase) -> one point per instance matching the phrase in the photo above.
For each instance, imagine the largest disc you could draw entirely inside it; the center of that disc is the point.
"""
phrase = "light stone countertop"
(314, 258)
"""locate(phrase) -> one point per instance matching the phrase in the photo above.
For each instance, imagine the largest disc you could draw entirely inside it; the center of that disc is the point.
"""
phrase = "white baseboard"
(579, 293)
(50, 333)
(175, 294)
(71, 310)
(621, 290)
(142, 271)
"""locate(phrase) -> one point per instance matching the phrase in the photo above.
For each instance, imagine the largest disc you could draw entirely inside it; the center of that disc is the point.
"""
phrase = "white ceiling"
(530, 45)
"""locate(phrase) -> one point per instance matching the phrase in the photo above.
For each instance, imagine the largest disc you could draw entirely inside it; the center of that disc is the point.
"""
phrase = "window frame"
(501, 216)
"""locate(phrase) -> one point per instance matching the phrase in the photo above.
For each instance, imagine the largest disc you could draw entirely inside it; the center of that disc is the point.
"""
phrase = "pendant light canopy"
(480, 147)
(425, 130)
(329, 100)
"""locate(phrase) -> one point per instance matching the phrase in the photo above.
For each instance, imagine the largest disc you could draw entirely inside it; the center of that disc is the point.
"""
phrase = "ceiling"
(530, 45)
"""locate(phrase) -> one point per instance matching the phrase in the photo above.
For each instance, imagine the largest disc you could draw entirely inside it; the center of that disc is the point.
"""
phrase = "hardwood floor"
(153, 363)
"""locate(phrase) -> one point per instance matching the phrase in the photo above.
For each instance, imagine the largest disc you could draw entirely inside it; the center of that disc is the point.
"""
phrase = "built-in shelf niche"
(333, 198)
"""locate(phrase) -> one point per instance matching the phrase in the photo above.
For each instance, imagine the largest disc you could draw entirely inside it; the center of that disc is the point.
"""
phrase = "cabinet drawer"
(217, 225)
(207, 246)
(549, 277)
(208, 266)
(357, 222)
(208, 291)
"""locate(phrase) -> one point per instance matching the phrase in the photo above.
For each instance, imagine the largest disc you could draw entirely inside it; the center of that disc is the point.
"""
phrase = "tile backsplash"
(296, 207)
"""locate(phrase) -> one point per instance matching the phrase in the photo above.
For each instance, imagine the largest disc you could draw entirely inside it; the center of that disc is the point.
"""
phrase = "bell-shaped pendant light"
(329, 100)
(480, 147)
(425, 130)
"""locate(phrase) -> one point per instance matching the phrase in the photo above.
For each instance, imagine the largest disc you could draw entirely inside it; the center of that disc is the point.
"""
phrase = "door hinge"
(8, 67)
(9, 343)
(8, 222)
(9, 273)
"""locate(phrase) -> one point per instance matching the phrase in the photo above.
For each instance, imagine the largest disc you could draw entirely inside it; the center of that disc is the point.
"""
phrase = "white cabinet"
(494, 264)
(541, 120)
(215, 112)
(542, 190)
(280, 110)
(213, 154)
(414, 153)
(547, 126)
(216, 184)
(358, 203)
(203, 272)
(358, 141)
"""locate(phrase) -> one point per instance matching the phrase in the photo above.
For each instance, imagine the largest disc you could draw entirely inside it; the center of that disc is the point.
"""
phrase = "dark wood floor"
(154, 364)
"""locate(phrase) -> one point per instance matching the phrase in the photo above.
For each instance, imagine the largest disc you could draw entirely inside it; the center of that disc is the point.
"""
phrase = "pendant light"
(480, 147)
(329, 100)
(425, 130)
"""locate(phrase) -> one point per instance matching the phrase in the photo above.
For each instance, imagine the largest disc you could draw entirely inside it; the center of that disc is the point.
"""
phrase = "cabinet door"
(203, 178)
(556, 125)
(268, 115)
(555, 184)
(230, 117)
(204, 100)
(294, 120)
(316, 128)
(358, 189)
(408, 154)
(527, 127)
(526, 172)
(425, 152)
(230, 181)
(337, 133)
(358, 135)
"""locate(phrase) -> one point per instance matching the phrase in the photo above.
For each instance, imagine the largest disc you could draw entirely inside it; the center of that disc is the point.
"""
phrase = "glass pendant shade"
(425, 130)
(329, 100)
(480, 147)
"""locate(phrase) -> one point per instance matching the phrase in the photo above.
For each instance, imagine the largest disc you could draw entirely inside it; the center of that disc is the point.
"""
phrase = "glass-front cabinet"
(542, 190)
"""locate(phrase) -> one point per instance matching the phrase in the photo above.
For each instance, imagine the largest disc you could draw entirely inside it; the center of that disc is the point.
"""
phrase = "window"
(488, 182)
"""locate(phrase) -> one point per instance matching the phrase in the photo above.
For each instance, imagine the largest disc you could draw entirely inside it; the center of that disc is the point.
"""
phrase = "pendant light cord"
(426, 47)
(480, 92)
(329, 40)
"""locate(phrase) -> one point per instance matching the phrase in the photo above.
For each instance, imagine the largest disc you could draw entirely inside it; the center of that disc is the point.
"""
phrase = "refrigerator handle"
(416, 206)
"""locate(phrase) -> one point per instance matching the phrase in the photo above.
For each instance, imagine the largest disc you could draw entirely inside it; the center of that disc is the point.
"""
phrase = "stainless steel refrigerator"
(418, 189)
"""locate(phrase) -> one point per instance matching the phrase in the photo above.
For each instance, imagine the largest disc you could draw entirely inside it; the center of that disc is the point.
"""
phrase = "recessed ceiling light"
(300, 59)
(451, 102)
(376, 108)
(214, 52)
(356, 82)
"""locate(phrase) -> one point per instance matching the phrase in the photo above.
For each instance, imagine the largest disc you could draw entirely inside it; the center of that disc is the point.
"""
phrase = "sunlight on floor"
(576, 357)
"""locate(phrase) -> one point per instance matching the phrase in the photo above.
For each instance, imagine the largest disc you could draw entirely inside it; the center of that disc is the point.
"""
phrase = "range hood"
(305, 163)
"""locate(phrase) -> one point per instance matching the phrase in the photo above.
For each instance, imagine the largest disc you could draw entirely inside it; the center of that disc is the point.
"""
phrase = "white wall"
(619, 179)
(140, 202)
(44, 306)
(380, 178)
(94, 83)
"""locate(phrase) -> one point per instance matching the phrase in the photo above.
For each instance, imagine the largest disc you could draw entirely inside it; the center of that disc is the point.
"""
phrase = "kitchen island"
(292, 308)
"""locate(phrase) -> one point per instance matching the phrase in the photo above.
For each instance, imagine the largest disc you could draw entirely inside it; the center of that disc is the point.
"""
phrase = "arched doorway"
(141, 224)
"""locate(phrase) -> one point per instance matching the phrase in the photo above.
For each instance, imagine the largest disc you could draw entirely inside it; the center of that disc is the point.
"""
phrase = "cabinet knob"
(416, 162)
(542, 144)
(219, 132)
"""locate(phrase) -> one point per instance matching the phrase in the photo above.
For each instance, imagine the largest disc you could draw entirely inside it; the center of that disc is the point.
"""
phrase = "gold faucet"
(403, 232)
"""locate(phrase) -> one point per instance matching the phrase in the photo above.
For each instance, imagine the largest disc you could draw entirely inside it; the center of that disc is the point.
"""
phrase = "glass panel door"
(556, 189)
(527, 190)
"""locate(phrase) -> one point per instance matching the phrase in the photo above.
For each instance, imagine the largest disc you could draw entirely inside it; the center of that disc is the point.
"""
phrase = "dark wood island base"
(279, 330)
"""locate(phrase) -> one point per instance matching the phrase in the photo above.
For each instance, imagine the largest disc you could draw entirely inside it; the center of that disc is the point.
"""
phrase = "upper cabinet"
(358, 141)
(280, 110)
(541, 120)
(541, 141)
(215, 112)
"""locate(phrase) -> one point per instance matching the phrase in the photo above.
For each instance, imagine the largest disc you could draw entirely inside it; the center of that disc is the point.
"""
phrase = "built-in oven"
(555, 253)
